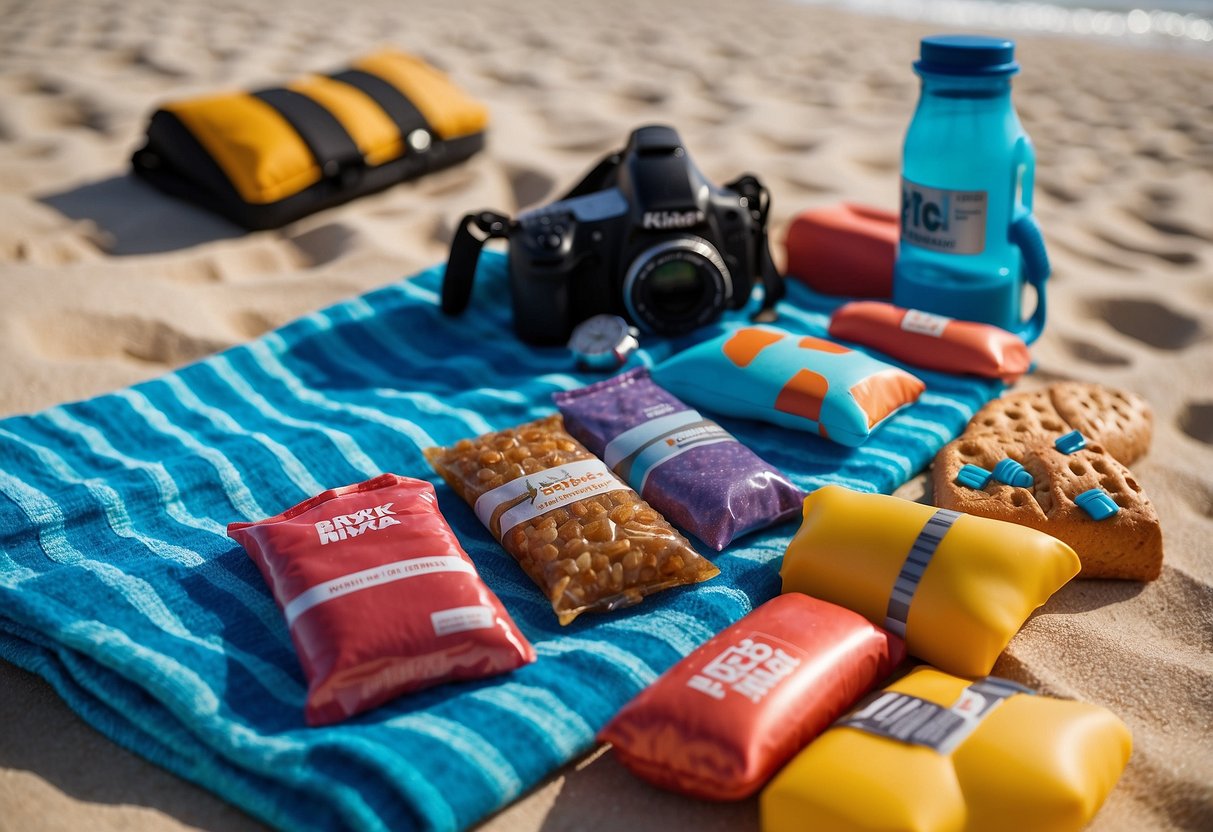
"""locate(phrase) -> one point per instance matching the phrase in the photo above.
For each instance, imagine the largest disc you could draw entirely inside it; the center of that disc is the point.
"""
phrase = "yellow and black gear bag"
(269, 157)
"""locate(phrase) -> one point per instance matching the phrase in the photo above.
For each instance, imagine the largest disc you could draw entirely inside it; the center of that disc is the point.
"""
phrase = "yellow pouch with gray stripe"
(937, 753)
(954, 586)
(268, 157)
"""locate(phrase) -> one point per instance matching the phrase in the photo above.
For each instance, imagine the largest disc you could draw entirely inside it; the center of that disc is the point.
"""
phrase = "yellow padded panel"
(256, 147)
(983, 581)
(448, 109)
(1033, 763)
(368, 125)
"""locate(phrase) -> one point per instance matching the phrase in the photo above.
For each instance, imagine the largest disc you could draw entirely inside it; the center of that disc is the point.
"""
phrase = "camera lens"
(676, 286)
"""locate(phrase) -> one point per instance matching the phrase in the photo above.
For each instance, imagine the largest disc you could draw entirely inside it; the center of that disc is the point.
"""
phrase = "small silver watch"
(603, 342)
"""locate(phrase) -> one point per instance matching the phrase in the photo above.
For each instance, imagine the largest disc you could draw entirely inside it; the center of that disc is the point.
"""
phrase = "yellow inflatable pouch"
(268, 157)
(935, 753)
(954, 586)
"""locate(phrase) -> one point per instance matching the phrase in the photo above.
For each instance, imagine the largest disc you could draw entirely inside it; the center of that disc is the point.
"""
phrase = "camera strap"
(465, 254)
(758, 199)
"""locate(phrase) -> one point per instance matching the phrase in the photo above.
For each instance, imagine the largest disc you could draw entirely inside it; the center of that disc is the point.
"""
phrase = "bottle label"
(953, 222)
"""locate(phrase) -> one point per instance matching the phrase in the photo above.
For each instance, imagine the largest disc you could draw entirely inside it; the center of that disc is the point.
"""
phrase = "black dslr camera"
(644, 235)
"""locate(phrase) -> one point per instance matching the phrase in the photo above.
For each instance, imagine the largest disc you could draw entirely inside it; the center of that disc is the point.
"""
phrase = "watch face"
(599, 334)
(603, 342)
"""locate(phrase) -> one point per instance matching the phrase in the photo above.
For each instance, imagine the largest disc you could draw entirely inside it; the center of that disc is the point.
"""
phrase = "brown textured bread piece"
(1120, 421)
(1127, 545)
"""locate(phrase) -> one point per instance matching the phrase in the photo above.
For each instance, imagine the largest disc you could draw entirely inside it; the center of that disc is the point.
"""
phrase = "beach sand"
(105, 282)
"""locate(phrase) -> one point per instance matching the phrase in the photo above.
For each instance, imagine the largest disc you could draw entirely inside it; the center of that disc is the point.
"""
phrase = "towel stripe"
(233, 485)
(295, 470)
(110, 501)
(255, 600)
(565, 730)
(469, 747)
(263, 353)
(343, 442)
(46, 516)
(170, 495)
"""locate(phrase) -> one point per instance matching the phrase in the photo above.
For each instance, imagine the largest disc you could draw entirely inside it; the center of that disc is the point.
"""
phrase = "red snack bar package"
(379, 596)
(844, 249)
(722, 721)
(931, 341)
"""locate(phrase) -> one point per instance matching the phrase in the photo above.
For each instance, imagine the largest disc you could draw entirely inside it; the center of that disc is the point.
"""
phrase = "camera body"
(645, 236)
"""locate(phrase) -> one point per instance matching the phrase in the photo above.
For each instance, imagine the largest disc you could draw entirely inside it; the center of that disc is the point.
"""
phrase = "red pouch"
(931, 341)
(844, 249)
(379, 596)
(722, 721)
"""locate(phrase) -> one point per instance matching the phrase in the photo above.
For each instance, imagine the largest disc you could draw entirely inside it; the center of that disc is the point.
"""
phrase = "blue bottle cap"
(973, 476)
(1097, 503)
(1012, 473)
(966, 55)
(1071, 442)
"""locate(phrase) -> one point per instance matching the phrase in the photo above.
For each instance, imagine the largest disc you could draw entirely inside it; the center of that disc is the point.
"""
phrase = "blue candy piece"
(973, 476)
(1012, 473)
(1070, 442)
(1097, 503)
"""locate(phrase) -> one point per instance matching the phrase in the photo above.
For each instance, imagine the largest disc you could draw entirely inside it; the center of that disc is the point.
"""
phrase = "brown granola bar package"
(588, 541)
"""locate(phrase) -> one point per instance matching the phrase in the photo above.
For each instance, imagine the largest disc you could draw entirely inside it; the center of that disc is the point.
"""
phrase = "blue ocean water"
(1153, 23)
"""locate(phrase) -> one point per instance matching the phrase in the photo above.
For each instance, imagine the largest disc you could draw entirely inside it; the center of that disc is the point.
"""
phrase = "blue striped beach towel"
(119, 585)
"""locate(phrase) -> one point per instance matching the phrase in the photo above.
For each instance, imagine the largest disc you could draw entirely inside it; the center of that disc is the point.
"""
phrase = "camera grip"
(465, 254)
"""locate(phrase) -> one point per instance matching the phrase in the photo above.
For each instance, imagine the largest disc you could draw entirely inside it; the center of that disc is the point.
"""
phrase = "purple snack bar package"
(688, 467)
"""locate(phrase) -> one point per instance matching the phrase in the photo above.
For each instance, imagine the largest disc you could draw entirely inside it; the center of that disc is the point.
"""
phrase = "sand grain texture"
(104, 282)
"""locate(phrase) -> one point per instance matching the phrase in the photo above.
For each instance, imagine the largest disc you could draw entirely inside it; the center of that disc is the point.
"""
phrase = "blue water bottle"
(969, 241)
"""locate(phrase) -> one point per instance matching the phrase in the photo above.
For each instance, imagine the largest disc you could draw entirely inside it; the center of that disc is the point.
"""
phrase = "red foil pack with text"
(379, 596)
(721, 722)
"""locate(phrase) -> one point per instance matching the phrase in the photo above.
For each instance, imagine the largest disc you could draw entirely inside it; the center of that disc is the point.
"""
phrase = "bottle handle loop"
(1025, 235)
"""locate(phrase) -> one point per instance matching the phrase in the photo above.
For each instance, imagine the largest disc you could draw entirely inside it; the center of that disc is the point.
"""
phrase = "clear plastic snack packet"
(688, 467)
(588, 541)
(379, 596)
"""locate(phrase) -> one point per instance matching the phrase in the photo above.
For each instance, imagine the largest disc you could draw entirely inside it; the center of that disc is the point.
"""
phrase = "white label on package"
(635, 453)
(949, 221)
(367, 578)
(461, 619)
(924, 323)
(528, 497)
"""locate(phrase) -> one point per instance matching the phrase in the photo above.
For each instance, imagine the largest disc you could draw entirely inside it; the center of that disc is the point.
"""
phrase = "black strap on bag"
(330, 143)
(399, 108)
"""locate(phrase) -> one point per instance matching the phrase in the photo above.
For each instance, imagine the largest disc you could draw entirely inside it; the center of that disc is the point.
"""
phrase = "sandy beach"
(105, 282)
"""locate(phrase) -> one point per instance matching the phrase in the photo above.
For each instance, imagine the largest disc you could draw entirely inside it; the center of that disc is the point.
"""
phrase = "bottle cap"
(966, 55)
(1071, 442)
(1097, 503)
(1012, 473)
(973, 476)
